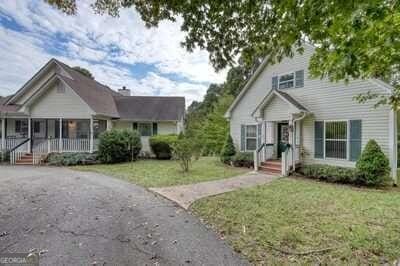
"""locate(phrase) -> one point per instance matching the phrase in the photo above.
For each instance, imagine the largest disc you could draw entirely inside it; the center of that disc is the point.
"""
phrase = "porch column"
(29, 136)
(291, 141)
(3, 133)
(109, 124)
(91, 135)
(60, 137)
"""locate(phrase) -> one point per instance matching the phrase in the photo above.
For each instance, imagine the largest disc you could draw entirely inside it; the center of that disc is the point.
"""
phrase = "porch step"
(270, 170)
(26, 159)
(271, 166)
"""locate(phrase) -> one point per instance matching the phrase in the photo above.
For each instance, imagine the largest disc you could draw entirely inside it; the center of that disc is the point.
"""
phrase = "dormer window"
(286, 81)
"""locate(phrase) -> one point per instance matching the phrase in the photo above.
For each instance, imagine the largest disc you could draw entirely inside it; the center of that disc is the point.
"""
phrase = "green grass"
(273, 224)
(159, 173)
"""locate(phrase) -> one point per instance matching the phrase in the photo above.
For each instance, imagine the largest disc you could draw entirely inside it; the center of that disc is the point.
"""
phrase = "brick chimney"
(124, 91)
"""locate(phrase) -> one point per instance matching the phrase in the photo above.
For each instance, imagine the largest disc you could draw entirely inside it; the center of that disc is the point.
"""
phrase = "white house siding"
(165, 128)
(277, 110)
(325, 100)
(38, 83)
(53, 104)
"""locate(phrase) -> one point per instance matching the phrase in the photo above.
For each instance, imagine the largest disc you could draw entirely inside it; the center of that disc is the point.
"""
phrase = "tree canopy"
(84, 72)
(353, 39)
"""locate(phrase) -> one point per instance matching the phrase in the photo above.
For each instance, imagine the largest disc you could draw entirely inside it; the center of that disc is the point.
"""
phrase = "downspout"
(294, 137)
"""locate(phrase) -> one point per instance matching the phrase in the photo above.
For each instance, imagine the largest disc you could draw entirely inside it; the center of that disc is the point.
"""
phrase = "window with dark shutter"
(155, 128)
(319, 139)
(275, 82)
(299, 78)
(134, 126)
(355, 139)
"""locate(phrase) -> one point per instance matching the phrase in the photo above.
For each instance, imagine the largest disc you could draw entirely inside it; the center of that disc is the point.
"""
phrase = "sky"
(118, 51)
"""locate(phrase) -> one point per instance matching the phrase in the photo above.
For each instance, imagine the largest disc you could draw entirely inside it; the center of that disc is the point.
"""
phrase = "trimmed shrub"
(119, 146)
(330, 173)
(373, 166)
(243, 159)
(71, 158)
(228, 150)
(161, 145)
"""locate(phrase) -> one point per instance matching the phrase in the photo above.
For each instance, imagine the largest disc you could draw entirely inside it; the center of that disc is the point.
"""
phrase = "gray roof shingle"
(150, 108)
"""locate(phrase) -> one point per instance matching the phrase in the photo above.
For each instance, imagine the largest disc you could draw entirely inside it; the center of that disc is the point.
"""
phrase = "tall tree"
(84, 72)
(354, 39)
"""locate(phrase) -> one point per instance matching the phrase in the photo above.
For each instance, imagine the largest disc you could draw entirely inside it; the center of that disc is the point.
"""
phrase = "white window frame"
(287, 81)
(245, 137)
(347, 139)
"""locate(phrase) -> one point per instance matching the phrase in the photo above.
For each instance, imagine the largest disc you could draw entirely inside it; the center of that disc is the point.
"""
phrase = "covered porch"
(40, 136)
(279, 119)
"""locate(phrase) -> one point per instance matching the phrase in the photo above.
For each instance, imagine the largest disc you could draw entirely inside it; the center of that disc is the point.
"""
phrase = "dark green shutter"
(275, 82)
(134, 125)
(259, 127)
(243, 138)
(355, 139)
(299, 78)
(155, 129)
(319, 139)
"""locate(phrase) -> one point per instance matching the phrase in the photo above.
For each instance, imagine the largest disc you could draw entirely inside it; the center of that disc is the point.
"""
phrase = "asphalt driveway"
(79, 218)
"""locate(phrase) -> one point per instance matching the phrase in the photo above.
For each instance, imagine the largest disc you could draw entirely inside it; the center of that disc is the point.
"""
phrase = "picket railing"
(17, 151)
(75, 145)
(263, 153)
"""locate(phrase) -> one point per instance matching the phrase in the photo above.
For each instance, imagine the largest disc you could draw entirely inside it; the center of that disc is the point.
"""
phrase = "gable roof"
(103, 100)
(150, 108)
(282, 95)
(98, 96)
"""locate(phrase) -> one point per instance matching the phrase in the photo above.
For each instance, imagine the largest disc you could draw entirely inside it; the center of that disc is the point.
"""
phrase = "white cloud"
(90, 41)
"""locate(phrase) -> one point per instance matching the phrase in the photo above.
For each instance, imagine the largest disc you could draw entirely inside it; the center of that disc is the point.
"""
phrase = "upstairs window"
(286, 81)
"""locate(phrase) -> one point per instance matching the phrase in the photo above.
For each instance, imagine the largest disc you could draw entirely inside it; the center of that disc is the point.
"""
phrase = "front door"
(283, 137)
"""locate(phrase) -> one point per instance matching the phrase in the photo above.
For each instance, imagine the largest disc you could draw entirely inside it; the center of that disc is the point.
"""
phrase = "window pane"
(251, 131)
(286, 77)
(336, 149)
(251, 144)
(99, 126)
(145, 129)
(336, 130)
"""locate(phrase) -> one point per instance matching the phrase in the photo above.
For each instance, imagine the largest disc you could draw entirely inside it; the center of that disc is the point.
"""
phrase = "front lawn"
(297, 221)
(159, 173)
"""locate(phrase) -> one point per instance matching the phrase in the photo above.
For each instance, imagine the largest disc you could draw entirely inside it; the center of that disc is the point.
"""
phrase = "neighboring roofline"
(382, 84)
(258, 71)
(269, 96)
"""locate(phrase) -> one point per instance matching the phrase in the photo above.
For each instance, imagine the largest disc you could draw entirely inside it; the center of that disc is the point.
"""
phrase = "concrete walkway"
(187, 194)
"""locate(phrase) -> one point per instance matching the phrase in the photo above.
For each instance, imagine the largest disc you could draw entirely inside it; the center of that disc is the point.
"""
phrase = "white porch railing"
(287, 160)
(10, 143)
(18, 152)
(263, 153)
(75, 145)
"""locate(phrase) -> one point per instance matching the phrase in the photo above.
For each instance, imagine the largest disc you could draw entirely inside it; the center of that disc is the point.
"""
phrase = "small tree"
(84, 72)
(132, 140)
(373, 166)
(228, 150)
(183, 150)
